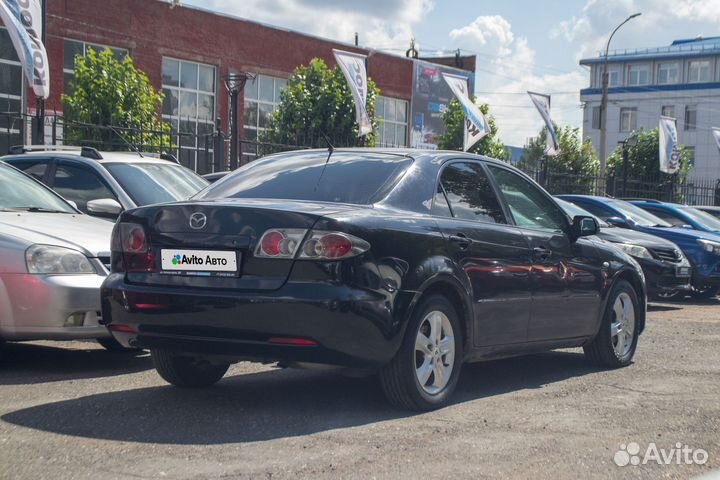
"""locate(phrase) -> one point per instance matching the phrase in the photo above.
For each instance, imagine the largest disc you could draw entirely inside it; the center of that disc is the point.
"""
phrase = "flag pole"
(40, 105)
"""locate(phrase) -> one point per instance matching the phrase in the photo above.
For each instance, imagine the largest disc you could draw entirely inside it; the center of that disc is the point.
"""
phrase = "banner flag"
(476, 125)
(23, 20)
(716, 135)
(353, 67)
(542, 103)
(669, 153)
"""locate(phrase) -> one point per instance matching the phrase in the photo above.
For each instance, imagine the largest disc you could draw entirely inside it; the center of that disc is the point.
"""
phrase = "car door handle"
(542, 252)
(461, 241)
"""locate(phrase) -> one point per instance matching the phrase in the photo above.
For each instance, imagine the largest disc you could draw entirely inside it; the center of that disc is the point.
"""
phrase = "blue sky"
(521, 45)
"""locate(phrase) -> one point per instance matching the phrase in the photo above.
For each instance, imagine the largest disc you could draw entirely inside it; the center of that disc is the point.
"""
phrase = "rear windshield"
(148, 183)
(349, 177)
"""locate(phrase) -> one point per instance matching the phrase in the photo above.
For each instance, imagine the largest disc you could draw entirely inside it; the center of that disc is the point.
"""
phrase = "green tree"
(577, 156)
(453, 138)
(317, 103)
(107, 92)
(644, 158)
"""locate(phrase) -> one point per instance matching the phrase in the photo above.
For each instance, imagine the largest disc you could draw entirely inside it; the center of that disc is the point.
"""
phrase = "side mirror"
(619, 222)
(584, 226)
(104, 206)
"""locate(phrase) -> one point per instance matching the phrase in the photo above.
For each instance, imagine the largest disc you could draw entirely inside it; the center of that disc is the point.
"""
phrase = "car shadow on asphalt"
(29, 364)
(272, 404)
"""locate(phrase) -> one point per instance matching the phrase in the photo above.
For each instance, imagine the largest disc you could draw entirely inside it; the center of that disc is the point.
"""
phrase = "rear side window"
(470, 194)
(667, 216)
(346, 177)
(35, 169)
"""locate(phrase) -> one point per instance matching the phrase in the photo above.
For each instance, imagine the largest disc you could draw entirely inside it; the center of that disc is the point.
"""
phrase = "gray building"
(681, 81)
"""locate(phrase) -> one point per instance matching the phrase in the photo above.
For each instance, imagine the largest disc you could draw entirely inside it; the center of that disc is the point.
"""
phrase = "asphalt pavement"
(72, 410)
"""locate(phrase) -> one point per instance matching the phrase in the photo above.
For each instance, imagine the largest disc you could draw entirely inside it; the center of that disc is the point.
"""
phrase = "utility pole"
(604, 102)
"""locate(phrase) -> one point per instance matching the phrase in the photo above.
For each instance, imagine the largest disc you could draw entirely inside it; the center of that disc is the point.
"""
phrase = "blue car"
(682, 216)
(701, 248)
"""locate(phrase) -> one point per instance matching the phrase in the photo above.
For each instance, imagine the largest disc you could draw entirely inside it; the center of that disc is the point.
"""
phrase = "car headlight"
(49, 259)
(710, 246)
(635, 250)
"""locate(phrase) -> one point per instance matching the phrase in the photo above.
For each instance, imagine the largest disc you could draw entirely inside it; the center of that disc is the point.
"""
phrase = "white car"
(53, 260)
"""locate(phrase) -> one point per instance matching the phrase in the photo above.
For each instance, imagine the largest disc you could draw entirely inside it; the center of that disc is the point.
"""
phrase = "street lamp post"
(604, 101)
(235, 83)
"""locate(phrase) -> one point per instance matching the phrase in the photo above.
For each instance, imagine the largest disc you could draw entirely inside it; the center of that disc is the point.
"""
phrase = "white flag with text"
(716, 135)
(476, 125)
(23, 20)
(353, 67)
(542, 103)
(669, 153)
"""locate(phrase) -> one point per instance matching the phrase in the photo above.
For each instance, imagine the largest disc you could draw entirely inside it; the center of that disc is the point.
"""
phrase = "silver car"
(53, 260)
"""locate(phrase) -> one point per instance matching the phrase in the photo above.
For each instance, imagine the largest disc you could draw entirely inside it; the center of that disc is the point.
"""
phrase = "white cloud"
(506, 69)
(380, 23)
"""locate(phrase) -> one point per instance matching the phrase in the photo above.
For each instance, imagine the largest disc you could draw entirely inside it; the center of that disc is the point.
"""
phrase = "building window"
(691, 117)
(638, 75)
(596, 116)
(393, 116)
(189, 107)
(614, 78)
(11, 94)
(668, 111)
(74, 48)
(262, 98)
(668, 73)
(690, 156)
(699, 71)
(628, 119)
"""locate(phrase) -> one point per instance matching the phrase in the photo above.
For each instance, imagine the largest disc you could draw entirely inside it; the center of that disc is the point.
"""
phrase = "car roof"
(108, 157)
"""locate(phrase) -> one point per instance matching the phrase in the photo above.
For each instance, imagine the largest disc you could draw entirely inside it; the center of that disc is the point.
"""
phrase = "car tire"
(707, 293)
(436, 363)
(186, 371)
(112, 345)
(614, 345)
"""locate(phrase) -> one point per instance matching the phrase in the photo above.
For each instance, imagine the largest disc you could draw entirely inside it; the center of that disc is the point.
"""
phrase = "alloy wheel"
(434, 352)
(622, 327)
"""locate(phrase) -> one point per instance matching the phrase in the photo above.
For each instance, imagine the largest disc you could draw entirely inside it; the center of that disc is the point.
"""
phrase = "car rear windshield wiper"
(34, 210)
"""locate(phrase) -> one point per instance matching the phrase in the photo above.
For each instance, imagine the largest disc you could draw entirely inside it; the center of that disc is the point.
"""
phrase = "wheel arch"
(458, 296)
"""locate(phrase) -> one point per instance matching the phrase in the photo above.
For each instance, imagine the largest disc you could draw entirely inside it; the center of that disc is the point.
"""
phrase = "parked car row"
(401, 263)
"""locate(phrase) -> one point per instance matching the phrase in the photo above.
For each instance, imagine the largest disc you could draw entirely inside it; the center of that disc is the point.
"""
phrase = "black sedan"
(407, 263)
(667, 270)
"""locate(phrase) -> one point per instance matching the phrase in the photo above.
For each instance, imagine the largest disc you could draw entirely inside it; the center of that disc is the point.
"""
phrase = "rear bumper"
(50, 307)
(350, 326)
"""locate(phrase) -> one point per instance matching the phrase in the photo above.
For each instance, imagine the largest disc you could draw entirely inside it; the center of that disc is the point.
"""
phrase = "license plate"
(199, 262)
(683, 271)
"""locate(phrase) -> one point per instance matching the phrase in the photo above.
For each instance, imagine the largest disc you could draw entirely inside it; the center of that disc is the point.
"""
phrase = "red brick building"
(188, 52)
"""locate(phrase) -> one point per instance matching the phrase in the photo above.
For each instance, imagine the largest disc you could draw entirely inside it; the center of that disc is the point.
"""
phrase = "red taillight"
(335, 246)
(300, 342)
(131, 240)
(270, 243)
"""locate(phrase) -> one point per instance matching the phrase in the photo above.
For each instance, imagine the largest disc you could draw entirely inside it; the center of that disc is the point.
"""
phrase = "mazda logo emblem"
(198, 221)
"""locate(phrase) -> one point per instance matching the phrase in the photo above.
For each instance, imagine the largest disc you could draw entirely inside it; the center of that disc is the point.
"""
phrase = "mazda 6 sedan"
(403, 263)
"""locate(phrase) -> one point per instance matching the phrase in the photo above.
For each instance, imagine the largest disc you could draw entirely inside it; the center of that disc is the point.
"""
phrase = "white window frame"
(86, 45)
(252, 100)
(698, 78)
(617, 80)
(669, 67)
(395, 123)
(628, 119)
(665, 113)
(175, 120)
(690, 126)
(638, 69)
(9, 96)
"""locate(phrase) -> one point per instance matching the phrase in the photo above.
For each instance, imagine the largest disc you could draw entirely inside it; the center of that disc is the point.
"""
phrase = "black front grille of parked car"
(667, 254)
